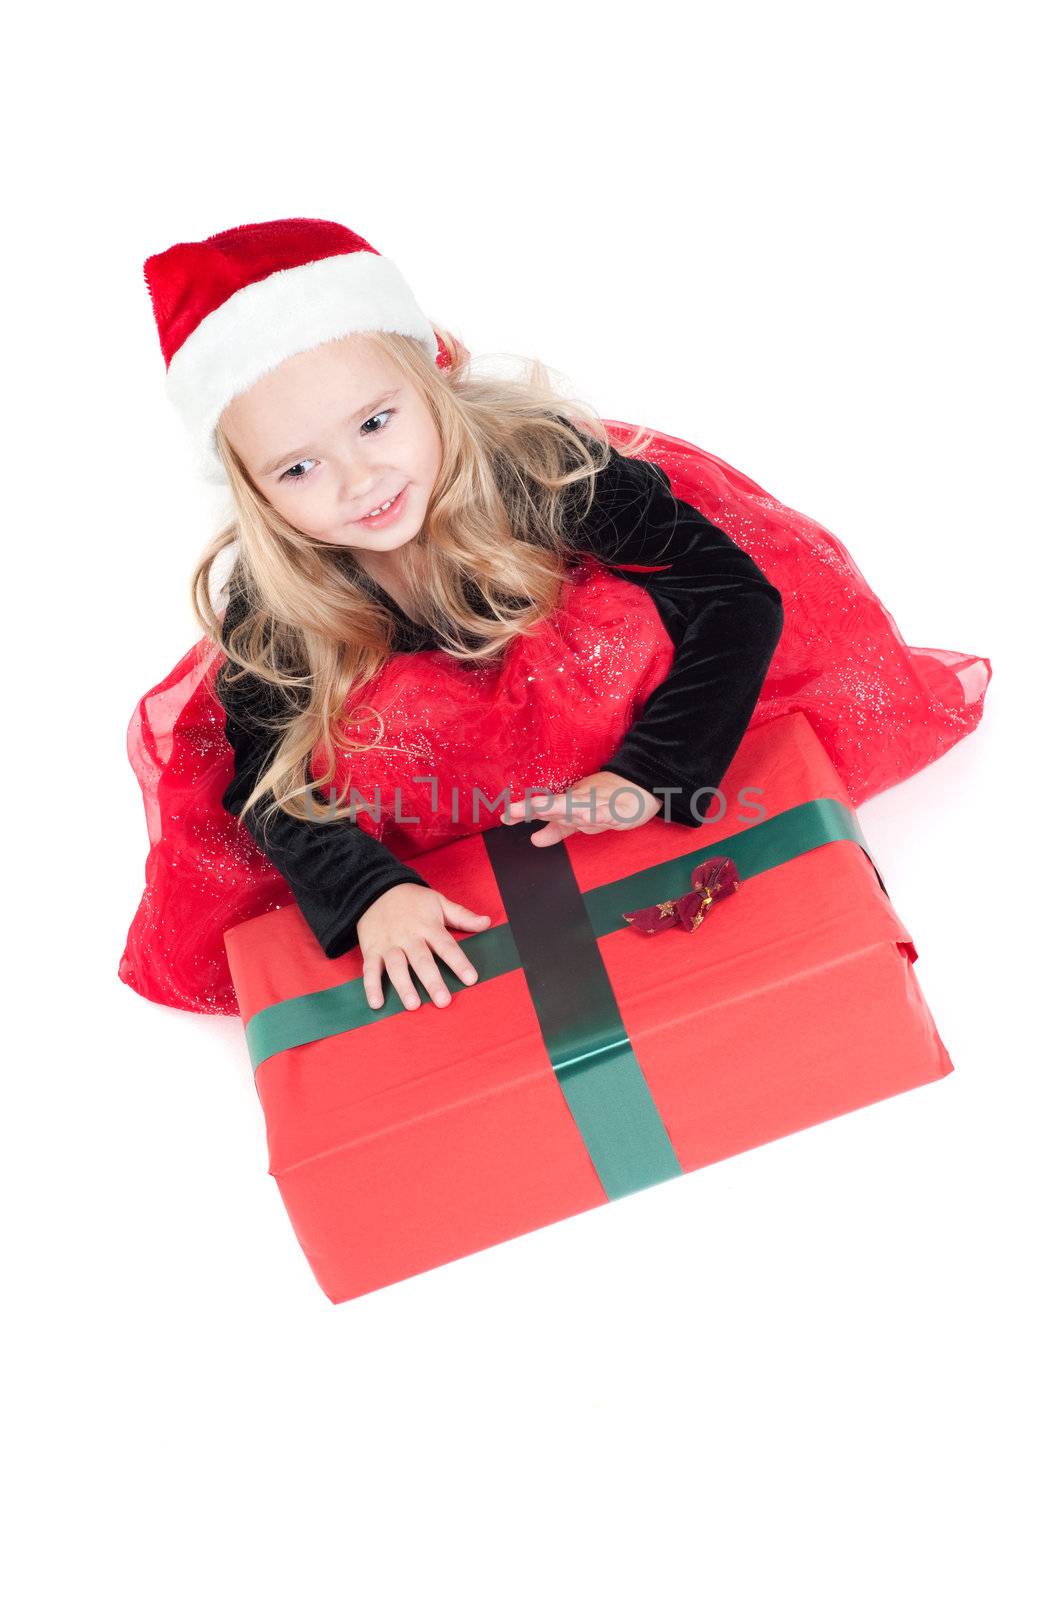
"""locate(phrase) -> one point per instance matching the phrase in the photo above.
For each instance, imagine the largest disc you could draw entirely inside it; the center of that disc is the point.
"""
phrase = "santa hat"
(232, 307)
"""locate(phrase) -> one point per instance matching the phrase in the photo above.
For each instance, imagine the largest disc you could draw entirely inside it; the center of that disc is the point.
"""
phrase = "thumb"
(461, 916)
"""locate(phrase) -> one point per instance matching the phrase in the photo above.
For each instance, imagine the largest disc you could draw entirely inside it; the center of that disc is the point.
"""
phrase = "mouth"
(384, 519)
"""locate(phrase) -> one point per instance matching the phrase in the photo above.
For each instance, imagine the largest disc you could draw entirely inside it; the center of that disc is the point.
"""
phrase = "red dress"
(546, 714)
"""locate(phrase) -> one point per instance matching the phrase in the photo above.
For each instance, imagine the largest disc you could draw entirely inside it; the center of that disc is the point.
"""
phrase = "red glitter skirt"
(552, 710)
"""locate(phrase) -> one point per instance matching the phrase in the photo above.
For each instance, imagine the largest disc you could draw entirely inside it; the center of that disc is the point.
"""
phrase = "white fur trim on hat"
(264, 323)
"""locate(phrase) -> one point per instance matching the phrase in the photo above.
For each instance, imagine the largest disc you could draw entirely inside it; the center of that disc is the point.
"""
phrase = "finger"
(564, 830)
(423, 963)
(395, 961)
(451, 952)
(541, 806)
(374, 992)
(553, 833)
(462, 917)
(554, 807)
(577, 811)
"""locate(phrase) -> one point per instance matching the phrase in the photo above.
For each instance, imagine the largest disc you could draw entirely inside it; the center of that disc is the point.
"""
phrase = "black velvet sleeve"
(334, 869)
(722, 614)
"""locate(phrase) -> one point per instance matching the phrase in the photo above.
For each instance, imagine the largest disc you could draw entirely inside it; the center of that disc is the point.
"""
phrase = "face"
(331, 434)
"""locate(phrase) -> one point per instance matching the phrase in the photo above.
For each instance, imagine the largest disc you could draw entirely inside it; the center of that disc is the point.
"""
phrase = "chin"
(383, 542)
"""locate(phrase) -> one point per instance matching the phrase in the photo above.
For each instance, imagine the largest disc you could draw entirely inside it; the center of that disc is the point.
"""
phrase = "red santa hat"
(232, 307)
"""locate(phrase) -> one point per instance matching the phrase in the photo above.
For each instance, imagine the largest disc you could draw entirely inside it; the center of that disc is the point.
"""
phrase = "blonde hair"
(494, 529)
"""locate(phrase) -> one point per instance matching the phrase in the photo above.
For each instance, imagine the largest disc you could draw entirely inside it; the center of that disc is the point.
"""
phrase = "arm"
(724, 618)
(335, 870)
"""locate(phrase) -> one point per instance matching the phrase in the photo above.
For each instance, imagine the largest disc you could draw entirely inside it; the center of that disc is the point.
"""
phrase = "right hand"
(406, 924)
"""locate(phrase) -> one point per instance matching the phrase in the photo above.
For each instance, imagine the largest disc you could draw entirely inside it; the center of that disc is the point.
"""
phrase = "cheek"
(302, 515)
(431, 460)
(308, 503)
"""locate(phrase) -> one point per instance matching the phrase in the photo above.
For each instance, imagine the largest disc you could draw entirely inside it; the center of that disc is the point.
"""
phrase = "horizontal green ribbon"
(552, 933)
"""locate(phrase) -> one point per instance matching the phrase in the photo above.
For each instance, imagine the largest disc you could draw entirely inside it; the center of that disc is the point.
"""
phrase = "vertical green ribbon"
(593, 1058)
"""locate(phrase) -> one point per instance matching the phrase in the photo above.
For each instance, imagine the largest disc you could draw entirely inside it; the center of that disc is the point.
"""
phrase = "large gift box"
(590, 1058)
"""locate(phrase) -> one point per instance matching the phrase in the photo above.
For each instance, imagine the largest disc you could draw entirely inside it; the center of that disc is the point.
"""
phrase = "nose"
(359, 478)
(361, 487)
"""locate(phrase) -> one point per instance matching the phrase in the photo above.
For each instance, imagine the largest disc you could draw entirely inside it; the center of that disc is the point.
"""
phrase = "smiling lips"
(393, 509)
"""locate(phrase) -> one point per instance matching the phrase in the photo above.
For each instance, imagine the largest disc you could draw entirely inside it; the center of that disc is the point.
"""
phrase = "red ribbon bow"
(714, 879)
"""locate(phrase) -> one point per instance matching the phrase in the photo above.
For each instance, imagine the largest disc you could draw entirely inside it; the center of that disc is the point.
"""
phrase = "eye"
(385, 413)
(299, 477)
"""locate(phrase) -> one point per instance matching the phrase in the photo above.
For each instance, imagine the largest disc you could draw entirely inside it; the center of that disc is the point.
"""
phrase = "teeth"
(384, 507)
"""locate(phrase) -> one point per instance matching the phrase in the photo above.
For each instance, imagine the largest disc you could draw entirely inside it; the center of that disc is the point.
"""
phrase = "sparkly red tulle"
(550, 712)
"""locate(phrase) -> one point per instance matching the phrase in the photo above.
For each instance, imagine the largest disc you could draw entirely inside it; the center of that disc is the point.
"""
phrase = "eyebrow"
(306, 449)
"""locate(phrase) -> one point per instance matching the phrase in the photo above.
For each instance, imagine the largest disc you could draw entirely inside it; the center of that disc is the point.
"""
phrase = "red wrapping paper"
(428, 1135)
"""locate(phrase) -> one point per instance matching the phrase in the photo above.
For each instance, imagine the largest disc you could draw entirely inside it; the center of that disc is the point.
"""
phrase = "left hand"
(629, 810)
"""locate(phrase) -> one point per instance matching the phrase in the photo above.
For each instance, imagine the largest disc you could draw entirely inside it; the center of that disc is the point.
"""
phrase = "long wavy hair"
(488, 565)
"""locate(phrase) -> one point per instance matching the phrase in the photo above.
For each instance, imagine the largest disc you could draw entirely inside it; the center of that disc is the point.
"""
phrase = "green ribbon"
(552, 933)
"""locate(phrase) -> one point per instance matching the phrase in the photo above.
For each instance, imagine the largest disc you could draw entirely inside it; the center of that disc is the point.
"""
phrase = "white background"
(815, 240)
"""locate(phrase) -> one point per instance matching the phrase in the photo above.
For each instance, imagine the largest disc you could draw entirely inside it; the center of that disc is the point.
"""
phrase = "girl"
(447, 594)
